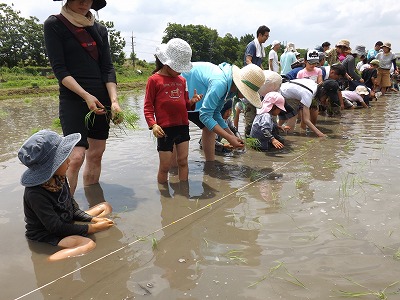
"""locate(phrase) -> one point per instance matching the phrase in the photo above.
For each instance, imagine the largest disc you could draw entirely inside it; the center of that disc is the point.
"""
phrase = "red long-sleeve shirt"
(166, 101)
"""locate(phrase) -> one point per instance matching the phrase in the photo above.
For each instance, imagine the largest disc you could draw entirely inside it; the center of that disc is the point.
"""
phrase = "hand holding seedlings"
(117, 115)
(95, 105)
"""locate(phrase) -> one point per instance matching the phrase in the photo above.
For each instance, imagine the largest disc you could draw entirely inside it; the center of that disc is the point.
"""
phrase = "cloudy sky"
(307, 23)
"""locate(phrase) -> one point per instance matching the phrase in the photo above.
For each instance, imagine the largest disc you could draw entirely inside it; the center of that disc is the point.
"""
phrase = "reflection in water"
(294, 213)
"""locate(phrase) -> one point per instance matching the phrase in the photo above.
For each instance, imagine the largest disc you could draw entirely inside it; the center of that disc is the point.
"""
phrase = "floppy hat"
(272, 82)
(312, 57)
(360, 50)
(362, 90)
(176, 54)
(387, 45)
(271, 99)
(43, 153)
(97, 4)
(374, 62)
(248, 80)
(329, 88)
(274, 43)
(345, 43)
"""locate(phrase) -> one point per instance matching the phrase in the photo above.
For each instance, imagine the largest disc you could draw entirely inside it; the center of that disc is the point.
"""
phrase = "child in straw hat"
(50, 210)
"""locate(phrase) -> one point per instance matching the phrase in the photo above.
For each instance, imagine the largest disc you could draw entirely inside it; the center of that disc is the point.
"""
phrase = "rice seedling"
(127, 118)
(235, 255)
(3, 114)
(253, 143)
(299, 182)
(292, 279)
(154, 244)
(381, 294)
(340, 229)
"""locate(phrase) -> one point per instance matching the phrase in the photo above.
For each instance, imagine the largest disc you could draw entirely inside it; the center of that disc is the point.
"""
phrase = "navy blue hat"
(43, 153)
(97, 4)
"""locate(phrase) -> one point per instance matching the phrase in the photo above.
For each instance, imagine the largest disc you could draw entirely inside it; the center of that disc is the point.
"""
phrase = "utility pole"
(133, 51)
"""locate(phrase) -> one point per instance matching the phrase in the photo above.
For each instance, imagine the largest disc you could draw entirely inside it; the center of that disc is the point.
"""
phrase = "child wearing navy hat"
(50, 210)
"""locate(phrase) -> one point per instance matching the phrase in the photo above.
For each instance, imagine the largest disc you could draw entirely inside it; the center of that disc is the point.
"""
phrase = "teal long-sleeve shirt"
(214, 82)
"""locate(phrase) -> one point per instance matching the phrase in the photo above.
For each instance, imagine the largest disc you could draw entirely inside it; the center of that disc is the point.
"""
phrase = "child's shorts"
(173, 135)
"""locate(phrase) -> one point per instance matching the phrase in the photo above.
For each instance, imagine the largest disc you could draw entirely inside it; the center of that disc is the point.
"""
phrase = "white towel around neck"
(260, 51)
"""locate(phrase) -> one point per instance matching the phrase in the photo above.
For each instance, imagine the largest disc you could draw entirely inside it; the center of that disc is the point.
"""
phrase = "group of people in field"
(178, 92)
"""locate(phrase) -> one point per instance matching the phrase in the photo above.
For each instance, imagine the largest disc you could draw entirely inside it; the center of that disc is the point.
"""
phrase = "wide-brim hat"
(360, 50)
(387, 45)
(97, 4)
(374, 62)
(345, 43)
(272, 82)
(249, 80)
(362, 90)
(176, 54)
(271, 99)
(43, 153)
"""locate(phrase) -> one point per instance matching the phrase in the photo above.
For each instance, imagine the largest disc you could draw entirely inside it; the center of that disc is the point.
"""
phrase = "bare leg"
(74, 245)
(314, 115)
(94, 154)
(165, 162)
(208, 140)
(100, 210)
(182, 159)
(305, 118)
(290, 122)
(76, 160)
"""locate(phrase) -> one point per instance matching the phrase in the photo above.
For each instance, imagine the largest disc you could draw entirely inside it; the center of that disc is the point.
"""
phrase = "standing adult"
(79, 54)
(273, 56)
(288, 58)
(387, 59)
(371, 54)
(254, 54)
(218, 83)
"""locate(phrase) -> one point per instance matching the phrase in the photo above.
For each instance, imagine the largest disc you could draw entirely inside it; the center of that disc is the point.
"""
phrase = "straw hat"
(387, 45)
(362, 90)
(43, 153)
(271, 99)
(97, 4)
(345, 43)
(272, 82)
(176, 54)
(248, 80)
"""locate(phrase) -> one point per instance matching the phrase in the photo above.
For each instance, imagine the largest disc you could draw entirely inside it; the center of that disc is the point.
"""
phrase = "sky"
(306, 23)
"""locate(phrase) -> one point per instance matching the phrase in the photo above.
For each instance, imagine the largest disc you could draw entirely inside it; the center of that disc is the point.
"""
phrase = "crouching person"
(264, 127)
(50, 210)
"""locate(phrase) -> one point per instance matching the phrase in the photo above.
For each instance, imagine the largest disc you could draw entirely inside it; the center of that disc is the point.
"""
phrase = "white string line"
(162, 228)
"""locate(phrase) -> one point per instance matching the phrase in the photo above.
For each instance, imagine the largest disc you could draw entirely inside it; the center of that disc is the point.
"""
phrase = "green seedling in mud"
(235, 255)
(292, 279)
(154, 244)
(3, 114)
(340, 229)
(299, 183)
(253, 143)
(382, 295)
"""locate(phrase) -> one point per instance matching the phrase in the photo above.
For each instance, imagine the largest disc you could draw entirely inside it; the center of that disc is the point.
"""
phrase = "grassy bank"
(30, 82)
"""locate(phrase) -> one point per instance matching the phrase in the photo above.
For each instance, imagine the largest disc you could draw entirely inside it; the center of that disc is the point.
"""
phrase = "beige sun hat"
(176, 54)
(272, 82)
(248, 80)
(345, 43)
(387, 45)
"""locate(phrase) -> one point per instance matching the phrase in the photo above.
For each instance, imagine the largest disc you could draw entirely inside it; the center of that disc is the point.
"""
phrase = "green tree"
(202, 39)
(117, 43)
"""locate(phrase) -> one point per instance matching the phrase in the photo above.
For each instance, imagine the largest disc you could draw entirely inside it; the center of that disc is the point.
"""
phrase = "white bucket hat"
(272, 82)
(176, 54)
(248, 80)
(43, 153)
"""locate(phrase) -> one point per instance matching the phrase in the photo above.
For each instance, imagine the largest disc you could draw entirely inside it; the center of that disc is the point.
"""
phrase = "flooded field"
(317, 220)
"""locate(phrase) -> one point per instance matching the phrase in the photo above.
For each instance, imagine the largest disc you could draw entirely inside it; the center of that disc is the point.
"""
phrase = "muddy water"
(307, 222)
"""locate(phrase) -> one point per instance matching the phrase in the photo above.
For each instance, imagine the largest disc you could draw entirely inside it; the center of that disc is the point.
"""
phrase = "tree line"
(22, 42)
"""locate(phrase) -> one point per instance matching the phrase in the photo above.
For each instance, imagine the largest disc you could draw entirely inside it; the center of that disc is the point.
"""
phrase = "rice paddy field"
(317, 220)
